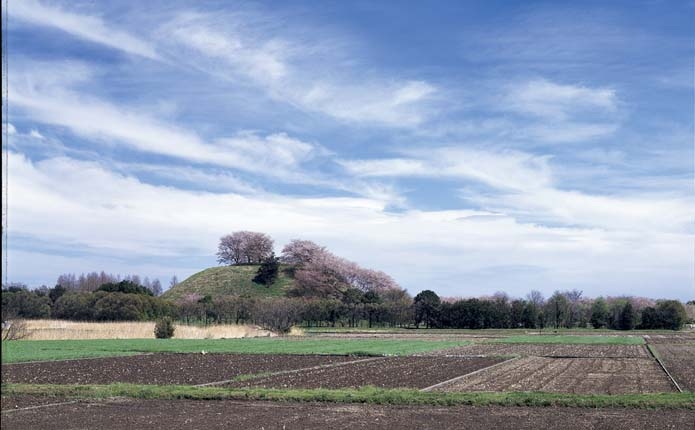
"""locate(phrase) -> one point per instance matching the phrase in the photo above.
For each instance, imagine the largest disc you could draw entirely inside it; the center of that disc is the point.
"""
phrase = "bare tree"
(14, 329)
(173, 282)
(278, 315)
(156, 287)
(68, 281)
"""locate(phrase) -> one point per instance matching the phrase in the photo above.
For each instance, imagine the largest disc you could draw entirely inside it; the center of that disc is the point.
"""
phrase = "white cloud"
(62, 200)
(87, 27)
(36, 135)
(275, 155)
(511, 170)
(9, 129)
(293, 72)
(549, 100)
(648, 213)
(563, 132)
(200, 179)
(523, 185)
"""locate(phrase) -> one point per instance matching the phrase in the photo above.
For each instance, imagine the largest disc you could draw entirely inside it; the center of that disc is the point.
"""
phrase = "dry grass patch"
(72, 330)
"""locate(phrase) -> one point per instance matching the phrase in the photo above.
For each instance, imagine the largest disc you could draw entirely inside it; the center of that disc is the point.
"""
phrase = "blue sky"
(463, 147)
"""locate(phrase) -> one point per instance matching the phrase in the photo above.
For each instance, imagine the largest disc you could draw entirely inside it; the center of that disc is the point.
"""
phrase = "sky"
(463, 147)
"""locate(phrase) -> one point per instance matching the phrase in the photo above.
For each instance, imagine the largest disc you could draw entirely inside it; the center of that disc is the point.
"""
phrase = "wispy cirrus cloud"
(53, 102)
(511, 170)
(553, 101)
(88, 27)
(294, 72)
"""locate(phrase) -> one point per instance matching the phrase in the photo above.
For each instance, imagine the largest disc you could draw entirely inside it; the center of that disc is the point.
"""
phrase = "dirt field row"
(407, 336)
(679, 359)
(182, 369)
(187, 414)
(547, 350)
(389, 372)
(591, 375)
(569, 375)
(671, 338)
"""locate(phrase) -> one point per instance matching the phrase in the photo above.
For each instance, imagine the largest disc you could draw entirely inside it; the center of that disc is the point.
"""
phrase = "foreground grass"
(572, 339)
(369, 395)
(43, 350)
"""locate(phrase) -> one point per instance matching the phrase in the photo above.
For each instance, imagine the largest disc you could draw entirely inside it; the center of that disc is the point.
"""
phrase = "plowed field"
(670, 338)
(547, 350)
(160, 368)
(679, 359)
(188, 414)
(569, 375)
(388, 372)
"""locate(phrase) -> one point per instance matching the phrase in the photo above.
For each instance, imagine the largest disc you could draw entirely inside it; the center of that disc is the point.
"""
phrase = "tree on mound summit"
(268, 271)
(244, 247)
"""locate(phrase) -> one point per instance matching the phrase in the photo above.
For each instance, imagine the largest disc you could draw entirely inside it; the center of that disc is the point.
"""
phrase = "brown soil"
(389, 372)
(187, 414)
(569, 375)
(407, 336)
(159, 368)
(688, 337)
(679, 359)
(547, 350)
(27, 401)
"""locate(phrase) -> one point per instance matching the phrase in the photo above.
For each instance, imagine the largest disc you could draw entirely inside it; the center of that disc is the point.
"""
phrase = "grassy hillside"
(229, 281)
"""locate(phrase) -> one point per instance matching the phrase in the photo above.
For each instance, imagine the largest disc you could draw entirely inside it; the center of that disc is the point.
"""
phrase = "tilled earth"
(387, 372)
(547, 350)
(679, 359)
(569, 375)
(191, 415)
(181, 369)
(670, 338)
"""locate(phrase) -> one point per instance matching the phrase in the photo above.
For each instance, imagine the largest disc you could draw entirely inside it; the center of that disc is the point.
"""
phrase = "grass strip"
(46, 350)
(654, 352)
(571, 340)
(369, 395)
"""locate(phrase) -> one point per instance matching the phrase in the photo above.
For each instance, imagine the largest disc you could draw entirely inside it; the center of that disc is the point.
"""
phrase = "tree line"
(126, 300)
(564, 309)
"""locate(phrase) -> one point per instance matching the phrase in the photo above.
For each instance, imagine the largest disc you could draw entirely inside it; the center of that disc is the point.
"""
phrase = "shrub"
(164, 328)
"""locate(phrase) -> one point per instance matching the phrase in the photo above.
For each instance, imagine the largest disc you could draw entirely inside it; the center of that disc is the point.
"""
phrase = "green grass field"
(40, 350)
(572, 339)
(370, 395)
(229, 281)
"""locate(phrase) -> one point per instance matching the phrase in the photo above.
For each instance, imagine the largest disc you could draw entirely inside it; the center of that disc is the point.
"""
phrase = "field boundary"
(285, 372)
(655, 354)
(79, 359)
(366, 395)
(452, 380)
(28, 408)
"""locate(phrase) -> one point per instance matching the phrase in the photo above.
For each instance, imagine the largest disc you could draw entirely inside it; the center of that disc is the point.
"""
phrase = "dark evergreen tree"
(268, 271)
(427, 306)
(627, 317)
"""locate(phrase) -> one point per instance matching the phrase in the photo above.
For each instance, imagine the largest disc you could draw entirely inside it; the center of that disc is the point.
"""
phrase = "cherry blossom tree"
(244, 247)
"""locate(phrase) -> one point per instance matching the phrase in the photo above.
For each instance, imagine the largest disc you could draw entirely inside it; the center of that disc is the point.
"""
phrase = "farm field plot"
(191, 414)
(160, 368)
(40, 350)
(670, 338)
(387, 372)
(569, 375)
(679, 359)
(547, 350)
